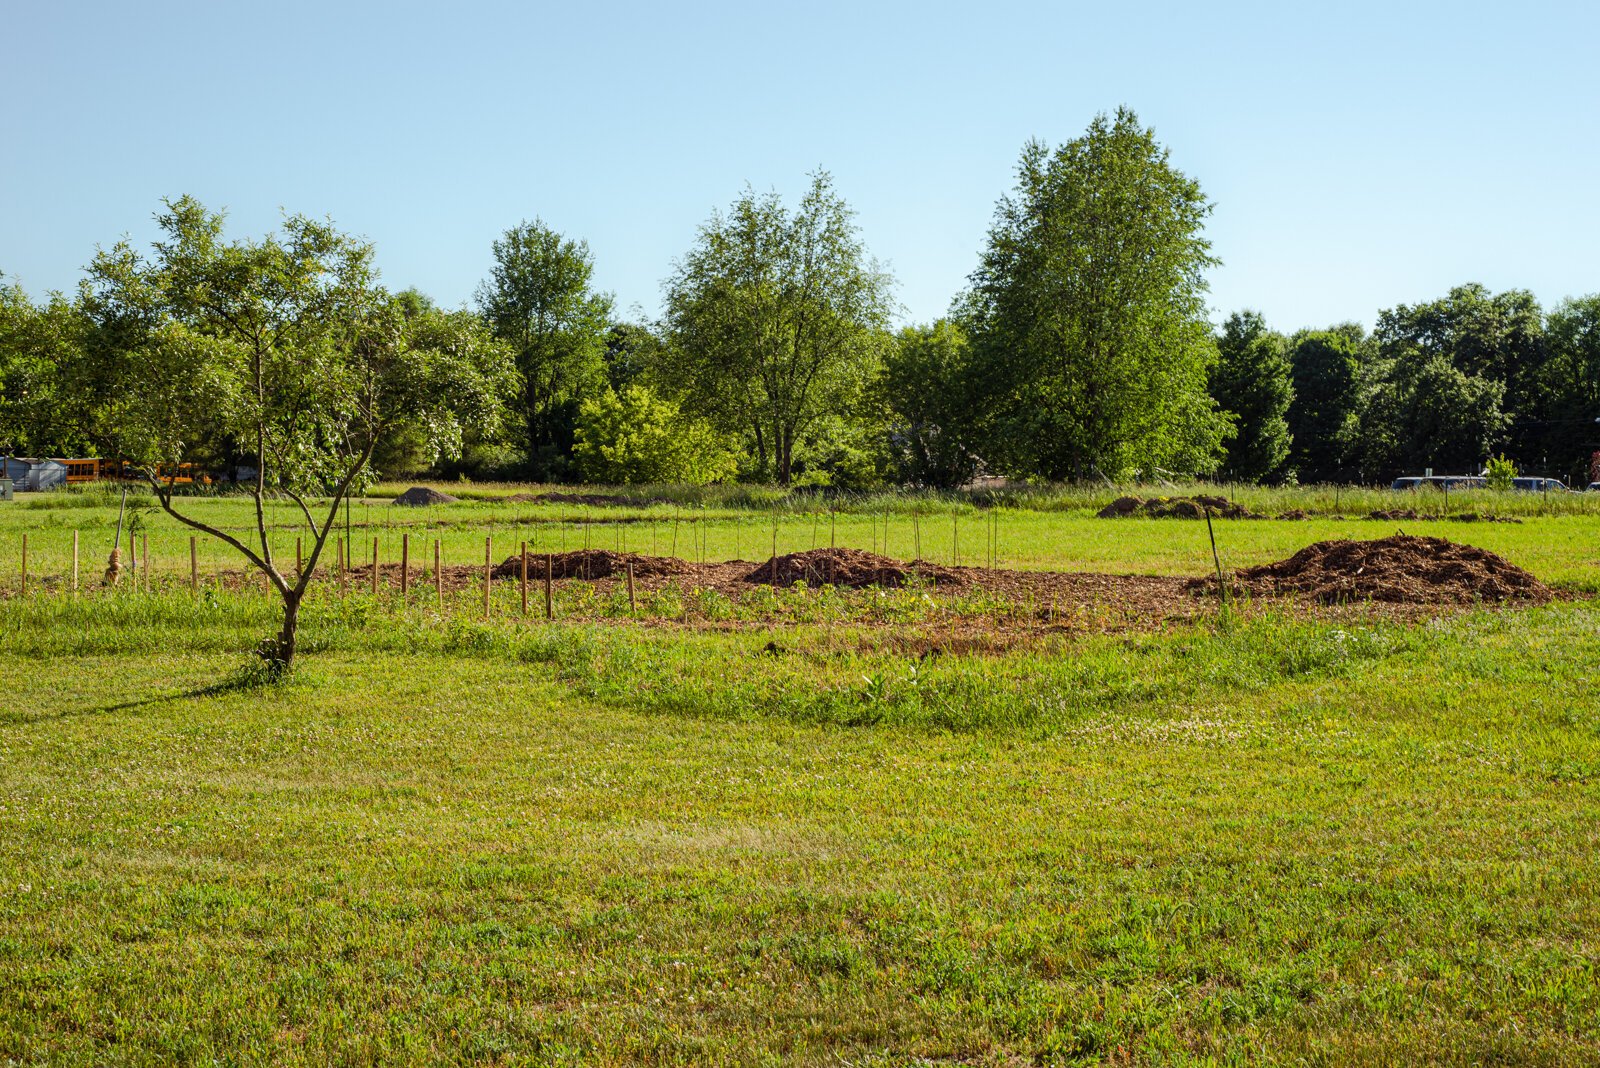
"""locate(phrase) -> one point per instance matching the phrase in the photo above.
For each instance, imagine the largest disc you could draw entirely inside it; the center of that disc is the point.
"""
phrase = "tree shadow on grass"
(253, 677)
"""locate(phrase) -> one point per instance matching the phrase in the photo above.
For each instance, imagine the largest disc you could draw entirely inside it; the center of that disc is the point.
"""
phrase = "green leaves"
(1251, 382)
(632, 436)
(775, 319)
(1087, 311)
(537, 300)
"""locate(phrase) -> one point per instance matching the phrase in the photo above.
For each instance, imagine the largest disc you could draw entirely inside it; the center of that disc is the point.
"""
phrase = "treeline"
(1081, 348)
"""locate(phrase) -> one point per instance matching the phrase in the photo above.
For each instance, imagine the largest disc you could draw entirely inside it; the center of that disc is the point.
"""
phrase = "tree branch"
(164, 495)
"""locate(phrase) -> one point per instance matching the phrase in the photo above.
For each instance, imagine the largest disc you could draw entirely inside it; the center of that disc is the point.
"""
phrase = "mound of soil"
(592, 564)
(422, 497)
(1175, 508)
(850, 568)
(1398, 570)
(1457, 517)
(599, 500)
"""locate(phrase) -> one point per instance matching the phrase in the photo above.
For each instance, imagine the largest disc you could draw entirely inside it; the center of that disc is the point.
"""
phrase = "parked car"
(1539, 485)
(1440, 482)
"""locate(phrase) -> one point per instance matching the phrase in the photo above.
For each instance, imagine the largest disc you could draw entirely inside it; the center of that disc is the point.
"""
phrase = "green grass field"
(1265, 837)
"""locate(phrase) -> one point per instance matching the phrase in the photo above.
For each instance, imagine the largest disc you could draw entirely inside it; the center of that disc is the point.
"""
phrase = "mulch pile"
(593, 564)
(852, 569)
(1175, 508)
(1458, 517)
(1398, 570)
(422, 497)
(598, 500)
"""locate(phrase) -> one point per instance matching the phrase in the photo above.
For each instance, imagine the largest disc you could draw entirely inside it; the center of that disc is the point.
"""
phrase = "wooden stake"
(194, 564)
(488, 552)
(405, 565)
(549, 603)
(955, 541)
(1222, 589)
(524, 567)
(633, 606)
(374, 567)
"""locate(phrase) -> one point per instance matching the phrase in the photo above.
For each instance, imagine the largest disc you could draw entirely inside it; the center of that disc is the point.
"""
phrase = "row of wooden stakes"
(138, 567)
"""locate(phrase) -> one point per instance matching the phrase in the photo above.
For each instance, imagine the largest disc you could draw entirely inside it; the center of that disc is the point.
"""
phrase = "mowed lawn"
(1255, 841)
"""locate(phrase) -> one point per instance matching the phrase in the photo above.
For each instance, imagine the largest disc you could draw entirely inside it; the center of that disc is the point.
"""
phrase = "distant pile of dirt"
(592, 564)
(1397, 570)
(422, 497)
(1175, 508)
(851, 568)
(1458, 517)
(599, 500)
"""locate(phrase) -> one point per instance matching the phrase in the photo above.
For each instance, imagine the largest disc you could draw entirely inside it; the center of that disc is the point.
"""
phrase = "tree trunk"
(278, 653)
(783, 453)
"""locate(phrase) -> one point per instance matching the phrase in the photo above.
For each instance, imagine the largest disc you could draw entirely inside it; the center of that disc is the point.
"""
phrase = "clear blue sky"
(1359, 154)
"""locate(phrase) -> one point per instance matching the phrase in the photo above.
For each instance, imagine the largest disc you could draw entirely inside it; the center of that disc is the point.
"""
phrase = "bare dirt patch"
(1396, 570)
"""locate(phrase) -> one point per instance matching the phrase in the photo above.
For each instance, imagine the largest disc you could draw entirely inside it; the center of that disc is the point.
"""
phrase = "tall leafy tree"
(539, 300)
(1251, 382)
(632, 350)
(775, 319)
(1326, 369)
(1088, 311)
(286, 345)
(38, 346)
(1491, 337)
(1572, 380)
(1424, 411)
(927, 390)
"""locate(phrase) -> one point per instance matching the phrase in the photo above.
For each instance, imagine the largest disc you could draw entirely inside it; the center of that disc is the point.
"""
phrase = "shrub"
(633, 436)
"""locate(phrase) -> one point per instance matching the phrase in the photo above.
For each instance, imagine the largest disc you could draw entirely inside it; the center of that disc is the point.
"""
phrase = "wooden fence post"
(488, 564)
(524, 562)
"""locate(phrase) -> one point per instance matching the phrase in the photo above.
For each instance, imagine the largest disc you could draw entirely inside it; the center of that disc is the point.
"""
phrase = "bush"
(1500, 473)
(633, 436)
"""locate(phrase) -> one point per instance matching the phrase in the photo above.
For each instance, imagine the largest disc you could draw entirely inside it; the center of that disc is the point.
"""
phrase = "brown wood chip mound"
(1397, 570)
(592, 564)
(598, 500)
(422, 496)
(850, 568)
(1175, 508)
